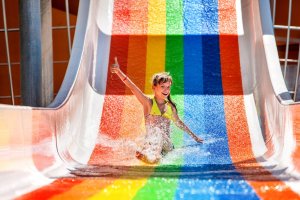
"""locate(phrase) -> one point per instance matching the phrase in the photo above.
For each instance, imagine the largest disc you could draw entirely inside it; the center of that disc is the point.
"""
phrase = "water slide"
(227, 85)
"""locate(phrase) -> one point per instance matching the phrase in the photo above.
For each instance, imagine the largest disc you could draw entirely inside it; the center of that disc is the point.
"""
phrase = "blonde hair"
(163, 77)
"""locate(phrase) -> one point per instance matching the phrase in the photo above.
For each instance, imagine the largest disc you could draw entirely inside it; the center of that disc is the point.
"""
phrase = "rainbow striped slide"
(219, 54)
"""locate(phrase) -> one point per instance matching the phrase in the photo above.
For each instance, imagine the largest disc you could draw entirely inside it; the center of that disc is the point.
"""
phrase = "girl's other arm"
(180, 124)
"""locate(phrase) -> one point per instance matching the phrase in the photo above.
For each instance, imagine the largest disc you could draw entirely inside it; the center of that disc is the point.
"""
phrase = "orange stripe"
(238, 134)
(86, 189)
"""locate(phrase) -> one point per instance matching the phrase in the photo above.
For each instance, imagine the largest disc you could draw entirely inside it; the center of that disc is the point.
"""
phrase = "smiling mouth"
(165, 94)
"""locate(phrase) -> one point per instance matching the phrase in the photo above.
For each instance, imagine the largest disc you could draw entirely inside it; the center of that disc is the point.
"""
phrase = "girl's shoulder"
(150, 102)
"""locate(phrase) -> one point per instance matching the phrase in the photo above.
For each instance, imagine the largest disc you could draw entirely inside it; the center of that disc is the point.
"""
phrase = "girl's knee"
(148, 158)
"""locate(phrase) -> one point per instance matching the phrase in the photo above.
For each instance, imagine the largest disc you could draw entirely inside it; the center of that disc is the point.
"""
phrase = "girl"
(158, 112)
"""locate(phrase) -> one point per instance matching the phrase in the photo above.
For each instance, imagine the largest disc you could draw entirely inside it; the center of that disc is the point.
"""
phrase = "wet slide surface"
(85, 148)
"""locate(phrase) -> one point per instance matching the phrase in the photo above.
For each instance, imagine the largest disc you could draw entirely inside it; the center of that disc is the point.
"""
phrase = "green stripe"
(174, 60)
(165, 188)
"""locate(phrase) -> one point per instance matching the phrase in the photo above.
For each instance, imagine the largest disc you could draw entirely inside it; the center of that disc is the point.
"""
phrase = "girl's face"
(162, 91)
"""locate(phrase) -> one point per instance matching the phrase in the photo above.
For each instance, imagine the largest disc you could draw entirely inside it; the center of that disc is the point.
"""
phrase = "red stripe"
(115, 89)
(55, 188)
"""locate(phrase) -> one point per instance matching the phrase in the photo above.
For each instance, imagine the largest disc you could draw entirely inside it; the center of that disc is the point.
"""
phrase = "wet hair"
(160, 78)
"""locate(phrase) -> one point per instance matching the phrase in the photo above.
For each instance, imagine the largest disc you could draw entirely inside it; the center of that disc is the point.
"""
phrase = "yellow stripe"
(156, 17)
(121, 189)
(156, 41)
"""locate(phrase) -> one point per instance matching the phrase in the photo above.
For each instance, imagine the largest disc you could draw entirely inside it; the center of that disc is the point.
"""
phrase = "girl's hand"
(197, 139)
(115, 68)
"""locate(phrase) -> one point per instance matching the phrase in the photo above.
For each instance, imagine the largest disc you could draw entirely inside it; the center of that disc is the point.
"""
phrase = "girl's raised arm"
(143, 99)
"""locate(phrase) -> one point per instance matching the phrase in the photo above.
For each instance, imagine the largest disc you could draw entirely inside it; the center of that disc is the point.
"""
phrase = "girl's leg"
(152, 148)
(167, 144)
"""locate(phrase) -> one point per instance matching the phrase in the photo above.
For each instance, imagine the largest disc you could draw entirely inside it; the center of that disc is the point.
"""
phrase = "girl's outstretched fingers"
(115, 67)
(116, 61)
(199, 140)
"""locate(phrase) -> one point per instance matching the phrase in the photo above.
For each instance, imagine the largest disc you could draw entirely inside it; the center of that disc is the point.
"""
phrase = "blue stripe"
(204, 110)
(192, 47)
